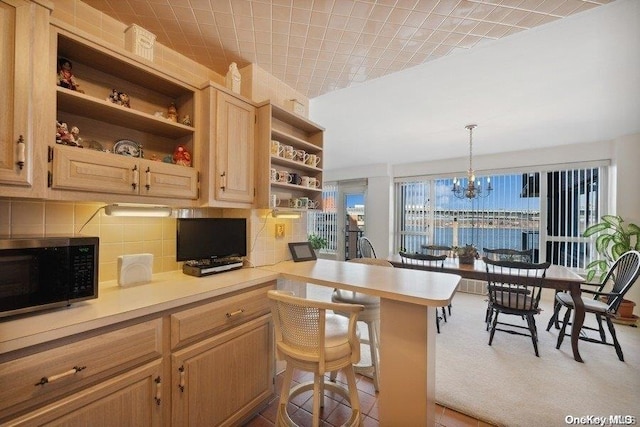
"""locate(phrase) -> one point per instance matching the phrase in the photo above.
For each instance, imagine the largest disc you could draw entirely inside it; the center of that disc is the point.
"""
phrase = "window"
(546, 211)
(324, 222)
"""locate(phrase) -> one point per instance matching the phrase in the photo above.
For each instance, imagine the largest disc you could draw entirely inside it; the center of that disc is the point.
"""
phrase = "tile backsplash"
(131, 235)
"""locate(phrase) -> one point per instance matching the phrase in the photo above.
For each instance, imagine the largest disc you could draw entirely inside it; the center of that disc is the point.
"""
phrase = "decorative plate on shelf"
(126, 147)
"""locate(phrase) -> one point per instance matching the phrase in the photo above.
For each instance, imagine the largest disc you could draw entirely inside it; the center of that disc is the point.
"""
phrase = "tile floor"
(335, 412)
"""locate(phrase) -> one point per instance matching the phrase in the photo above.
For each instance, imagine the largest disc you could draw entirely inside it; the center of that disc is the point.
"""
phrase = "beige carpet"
(507, 385)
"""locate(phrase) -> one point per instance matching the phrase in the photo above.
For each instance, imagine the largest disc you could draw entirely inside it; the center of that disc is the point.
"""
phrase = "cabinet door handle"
(235, 313)
(158, 397)
(21, 152)
(52, 378)
(148, 178)
(136, 177)
(223, 181)
(181, 381)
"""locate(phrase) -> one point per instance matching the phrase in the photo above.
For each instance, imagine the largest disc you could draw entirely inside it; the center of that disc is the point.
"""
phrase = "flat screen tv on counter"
(211, 245)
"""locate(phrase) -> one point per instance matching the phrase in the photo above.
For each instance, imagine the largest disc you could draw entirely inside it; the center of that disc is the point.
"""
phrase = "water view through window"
(512, 216)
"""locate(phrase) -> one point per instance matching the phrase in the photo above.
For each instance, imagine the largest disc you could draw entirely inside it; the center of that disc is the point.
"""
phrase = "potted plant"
(614, 240)
(317, 242)
(467, 254)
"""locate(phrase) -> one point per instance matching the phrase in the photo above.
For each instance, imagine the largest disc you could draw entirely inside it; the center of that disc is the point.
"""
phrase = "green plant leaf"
(602, 243)
(590, 275)
(633, 229)
(614, 220)
(596, 228)
(618, 250)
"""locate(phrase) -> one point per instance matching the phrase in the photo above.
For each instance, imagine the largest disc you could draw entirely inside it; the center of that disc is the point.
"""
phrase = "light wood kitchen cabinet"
(128, 150)
(30, 382)
(230, 121)
(305, 137)
(23, 48)
(130, 399)
(223, 378)
(206, 363)
(74, 169)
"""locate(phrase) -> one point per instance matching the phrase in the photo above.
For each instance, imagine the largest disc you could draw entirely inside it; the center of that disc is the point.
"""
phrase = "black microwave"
(46, 272)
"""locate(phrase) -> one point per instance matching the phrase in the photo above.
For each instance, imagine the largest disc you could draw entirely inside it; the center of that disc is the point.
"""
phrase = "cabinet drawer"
(31, 380)
(212, 318)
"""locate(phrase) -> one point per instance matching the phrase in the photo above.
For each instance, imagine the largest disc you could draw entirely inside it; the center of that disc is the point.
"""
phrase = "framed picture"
(302, 251)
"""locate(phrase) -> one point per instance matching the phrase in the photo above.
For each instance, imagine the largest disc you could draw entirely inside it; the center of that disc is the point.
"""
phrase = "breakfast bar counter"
(408, 299)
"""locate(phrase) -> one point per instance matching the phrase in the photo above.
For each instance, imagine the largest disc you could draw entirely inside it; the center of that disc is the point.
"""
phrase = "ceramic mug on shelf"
(273, 176)
(313, 204)
(295, 178)
(288, 152)
(295, 203)
(312, 160)
(276, 148)
(274, 202)
(304, 181)
(304, 202)
(314, 182)
(283, 176)
(300, 156)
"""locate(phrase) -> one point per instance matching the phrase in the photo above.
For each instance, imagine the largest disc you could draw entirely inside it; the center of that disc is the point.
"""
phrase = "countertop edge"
(38, 328)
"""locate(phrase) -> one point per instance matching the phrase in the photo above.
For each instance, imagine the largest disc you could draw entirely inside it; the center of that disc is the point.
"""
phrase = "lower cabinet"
(221, 380)
(130, 399)
(207, 364)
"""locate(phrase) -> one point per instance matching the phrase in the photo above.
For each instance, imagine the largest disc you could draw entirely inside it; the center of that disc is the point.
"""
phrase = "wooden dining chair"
(620, 277)
(419, 261)
(365, 247)
(514, 289)
(436, 250)
(504, 254)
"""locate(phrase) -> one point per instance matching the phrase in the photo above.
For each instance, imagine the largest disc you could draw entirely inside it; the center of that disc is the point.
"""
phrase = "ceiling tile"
(298, 41)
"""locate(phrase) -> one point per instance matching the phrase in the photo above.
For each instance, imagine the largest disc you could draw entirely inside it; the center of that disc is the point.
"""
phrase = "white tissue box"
(134, 269)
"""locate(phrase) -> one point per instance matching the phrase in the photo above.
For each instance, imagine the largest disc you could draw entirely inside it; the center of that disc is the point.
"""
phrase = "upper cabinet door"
(23, 49)
(234, 149)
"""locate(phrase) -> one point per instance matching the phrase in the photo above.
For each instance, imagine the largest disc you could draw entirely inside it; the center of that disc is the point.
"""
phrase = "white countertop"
(399, 284)
(174, 289)
(117, 304)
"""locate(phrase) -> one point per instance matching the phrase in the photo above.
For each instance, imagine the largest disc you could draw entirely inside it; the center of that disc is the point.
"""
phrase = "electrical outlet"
(279, 230)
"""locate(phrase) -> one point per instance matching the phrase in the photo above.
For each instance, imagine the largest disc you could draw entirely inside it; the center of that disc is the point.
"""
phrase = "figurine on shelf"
(119, 98)
(186, 120)
(181, 156)
(75, 135)
(65, 75)
(66, 137)
(113, 96)
(123, 99)
(233, 78)
(172, 113)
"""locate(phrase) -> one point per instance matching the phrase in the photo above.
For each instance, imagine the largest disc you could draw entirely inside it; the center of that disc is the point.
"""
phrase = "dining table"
(557, 277)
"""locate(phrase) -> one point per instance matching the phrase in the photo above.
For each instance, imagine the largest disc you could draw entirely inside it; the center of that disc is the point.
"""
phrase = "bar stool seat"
(310, 337)
(369, 316)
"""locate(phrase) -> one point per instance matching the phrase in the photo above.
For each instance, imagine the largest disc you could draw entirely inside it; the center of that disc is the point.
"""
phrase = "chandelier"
(473, 188)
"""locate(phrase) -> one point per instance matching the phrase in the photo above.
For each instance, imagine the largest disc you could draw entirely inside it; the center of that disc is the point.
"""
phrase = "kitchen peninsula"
(161, 344)
(407, 328)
